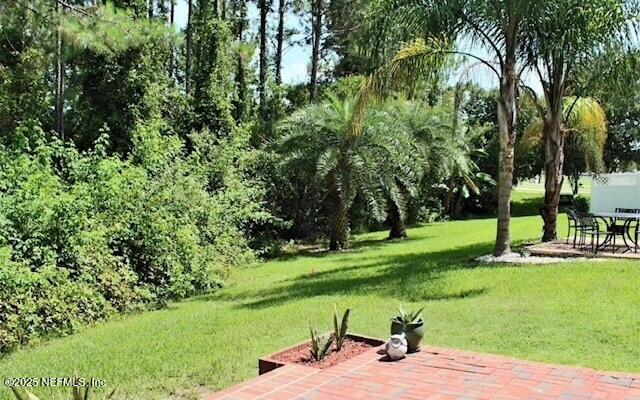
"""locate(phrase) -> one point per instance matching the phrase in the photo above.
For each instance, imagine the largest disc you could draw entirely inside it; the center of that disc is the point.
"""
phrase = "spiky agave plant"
(320, 345)
(340, 328)
(23, 394)
(407, 318)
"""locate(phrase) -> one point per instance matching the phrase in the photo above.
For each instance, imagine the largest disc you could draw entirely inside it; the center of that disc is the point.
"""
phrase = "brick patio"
(437, 373)
(562, 249)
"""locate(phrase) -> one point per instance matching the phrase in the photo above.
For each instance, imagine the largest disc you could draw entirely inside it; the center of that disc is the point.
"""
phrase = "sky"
(297, 57)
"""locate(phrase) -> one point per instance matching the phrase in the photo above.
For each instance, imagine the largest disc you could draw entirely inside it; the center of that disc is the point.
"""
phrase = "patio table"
(611, 219)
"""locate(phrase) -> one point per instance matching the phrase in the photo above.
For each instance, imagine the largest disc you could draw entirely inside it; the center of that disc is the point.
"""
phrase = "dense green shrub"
(580, 203)
(84, 235)
(44, 302)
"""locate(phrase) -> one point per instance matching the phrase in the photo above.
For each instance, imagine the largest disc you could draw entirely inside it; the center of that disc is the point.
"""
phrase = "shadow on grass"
(356, 247)
(413, 277)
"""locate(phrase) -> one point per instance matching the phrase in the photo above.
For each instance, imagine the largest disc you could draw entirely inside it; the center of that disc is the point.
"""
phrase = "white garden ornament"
(396, 347)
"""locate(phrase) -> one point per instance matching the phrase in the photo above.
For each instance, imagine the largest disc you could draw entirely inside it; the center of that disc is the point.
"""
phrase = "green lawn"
(580, 313)
(535, 187)
(527, 197)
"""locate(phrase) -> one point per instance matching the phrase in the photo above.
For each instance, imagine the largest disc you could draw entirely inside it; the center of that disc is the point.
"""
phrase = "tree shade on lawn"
(544, 313)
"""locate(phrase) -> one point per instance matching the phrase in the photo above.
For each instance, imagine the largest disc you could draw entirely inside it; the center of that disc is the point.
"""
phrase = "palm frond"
(420, 57)
(532, 136)
(585, 122)
(327, 163)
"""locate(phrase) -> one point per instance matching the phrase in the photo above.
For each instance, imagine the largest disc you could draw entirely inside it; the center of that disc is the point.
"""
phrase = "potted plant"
(412, 325)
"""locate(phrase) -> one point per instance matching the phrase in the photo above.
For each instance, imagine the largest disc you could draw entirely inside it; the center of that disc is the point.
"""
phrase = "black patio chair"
(573, 224)
(588, 227)
(637, 224)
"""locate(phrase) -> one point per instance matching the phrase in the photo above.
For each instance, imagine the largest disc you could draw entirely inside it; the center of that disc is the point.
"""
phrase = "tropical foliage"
(558, 34)
(381, 163)
(340, 329)
(142, 161)
(585, 137)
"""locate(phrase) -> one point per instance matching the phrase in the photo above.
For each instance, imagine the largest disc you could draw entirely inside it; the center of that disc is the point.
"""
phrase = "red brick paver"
(437, 373)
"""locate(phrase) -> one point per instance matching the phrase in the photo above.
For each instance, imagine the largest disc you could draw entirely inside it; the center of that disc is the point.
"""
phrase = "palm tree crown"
(379, 163)
(585, 125)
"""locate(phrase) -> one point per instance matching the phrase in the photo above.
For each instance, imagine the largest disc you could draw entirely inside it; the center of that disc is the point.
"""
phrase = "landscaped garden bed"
(301, 354)
(323, 351)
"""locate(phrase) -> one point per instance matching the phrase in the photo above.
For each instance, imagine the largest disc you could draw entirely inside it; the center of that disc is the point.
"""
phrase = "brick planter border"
(268, 363)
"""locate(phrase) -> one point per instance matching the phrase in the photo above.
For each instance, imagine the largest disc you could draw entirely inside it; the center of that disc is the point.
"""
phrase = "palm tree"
(448, 146)
(561, 35)
(400, 181)
(495, 27)
(583, 134)
(377, 163)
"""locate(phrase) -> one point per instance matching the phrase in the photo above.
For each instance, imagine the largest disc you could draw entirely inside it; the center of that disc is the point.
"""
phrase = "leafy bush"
(85, 235)
(43, 303)
(581, 203)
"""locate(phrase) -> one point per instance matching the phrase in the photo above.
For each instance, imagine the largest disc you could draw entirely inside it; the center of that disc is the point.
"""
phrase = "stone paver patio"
(560, 248)
(436, 373)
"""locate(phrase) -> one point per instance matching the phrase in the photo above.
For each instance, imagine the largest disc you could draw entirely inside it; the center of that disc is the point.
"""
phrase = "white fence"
(611, 191)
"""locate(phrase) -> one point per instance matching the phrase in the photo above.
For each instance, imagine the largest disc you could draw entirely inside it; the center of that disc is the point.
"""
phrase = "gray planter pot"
(412, 332)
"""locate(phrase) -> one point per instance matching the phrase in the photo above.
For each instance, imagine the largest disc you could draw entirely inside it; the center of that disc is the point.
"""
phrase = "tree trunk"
(60, 75)
(187, 72)
(282, 5)
(448, 199)
(223, 9)
(262, 84)
(151, 9)
(240, 74)
(172, 17)
(506, 129)
(576, 184)
(553, 177)
(315, 51)
(398, 229)
(339, 234)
